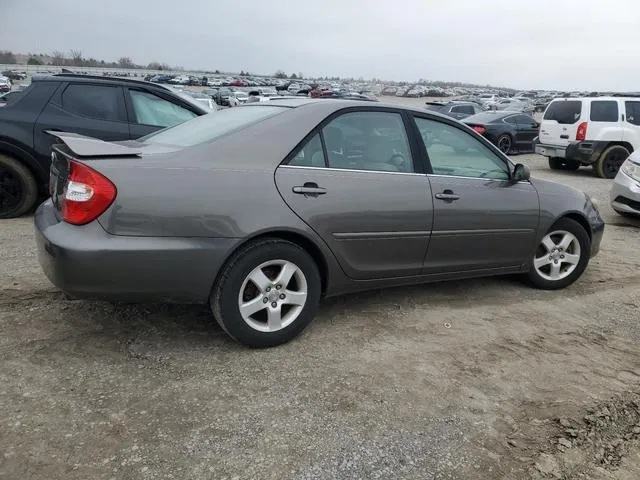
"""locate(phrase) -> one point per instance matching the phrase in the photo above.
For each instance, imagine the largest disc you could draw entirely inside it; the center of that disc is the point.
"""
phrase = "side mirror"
(521, 173)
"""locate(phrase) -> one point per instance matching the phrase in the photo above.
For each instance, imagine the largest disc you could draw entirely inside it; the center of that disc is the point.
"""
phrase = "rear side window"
(564, 111)
(511, 119)
(633, 112)
(604, 111)
(94, 101)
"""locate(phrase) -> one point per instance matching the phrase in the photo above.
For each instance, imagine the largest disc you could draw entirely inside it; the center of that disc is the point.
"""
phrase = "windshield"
(211, 126)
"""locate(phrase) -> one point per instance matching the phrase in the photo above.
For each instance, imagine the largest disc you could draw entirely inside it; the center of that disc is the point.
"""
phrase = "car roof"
(336, 104)
(70, 77)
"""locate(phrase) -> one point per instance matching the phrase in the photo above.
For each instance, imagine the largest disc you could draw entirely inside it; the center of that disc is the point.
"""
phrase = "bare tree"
(57, 58)
(125, 62)
(76, 57)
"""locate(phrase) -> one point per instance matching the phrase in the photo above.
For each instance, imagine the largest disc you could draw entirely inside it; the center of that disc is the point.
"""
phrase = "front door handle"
(309, 188)
(447, 195)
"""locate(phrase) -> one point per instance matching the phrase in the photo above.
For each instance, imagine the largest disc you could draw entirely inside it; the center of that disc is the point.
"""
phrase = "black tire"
(226, 291)
(571, 165)
(556, 163)
(18, 188)
(571, 226)
(610, 161)
(504, 143)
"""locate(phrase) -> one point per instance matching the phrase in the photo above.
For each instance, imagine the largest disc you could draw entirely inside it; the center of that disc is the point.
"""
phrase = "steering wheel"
(399, 161)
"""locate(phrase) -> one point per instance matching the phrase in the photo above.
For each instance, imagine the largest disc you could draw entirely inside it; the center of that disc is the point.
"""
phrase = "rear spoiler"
(82, 146)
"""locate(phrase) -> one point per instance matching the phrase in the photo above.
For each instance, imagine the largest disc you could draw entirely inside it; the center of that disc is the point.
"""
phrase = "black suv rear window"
(564, 111)
(604, 111)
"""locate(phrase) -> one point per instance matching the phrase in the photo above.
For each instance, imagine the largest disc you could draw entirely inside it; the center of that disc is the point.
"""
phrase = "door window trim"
(467, 130)
(416, 155)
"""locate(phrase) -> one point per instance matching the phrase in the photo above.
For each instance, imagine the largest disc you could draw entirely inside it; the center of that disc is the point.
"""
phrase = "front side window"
(604, 111)
(375, 141)
(98, 102)
(455, 152)
(150, 109)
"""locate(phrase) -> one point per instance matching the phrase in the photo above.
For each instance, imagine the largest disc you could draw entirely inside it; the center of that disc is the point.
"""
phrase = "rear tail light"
(87, 194)
(479, 129)
(581, 134)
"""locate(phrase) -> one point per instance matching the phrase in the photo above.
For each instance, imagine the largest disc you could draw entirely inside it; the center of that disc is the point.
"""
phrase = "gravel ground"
(477, 380)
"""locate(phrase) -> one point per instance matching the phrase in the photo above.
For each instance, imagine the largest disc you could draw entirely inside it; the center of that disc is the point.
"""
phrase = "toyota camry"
(262, 210)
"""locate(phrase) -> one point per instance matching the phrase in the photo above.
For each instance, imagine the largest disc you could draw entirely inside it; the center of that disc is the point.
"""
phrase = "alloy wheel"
(504, 144)
(273, 295)
(557, 256)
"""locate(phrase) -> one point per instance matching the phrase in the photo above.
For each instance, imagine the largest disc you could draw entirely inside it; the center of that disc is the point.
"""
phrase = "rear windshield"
(564, 111)
(211, 126)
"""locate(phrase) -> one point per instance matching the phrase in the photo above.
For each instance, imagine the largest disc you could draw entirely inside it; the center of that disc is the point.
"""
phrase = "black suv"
(110, 109)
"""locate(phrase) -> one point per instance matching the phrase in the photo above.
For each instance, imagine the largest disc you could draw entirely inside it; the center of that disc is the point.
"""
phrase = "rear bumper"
(584, 153)
(625, 194)
(87, 262)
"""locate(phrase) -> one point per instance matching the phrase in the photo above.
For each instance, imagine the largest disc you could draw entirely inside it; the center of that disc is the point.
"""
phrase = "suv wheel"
(18, 188)
(610, 161)
(561, 256)
(267, 294)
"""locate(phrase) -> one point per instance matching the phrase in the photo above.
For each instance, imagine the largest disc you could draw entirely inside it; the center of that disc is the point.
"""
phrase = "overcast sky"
(554, 44)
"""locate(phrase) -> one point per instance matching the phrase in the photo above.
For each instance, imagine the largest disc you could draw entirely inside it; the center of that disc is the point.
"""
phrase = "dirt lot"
(471, 380)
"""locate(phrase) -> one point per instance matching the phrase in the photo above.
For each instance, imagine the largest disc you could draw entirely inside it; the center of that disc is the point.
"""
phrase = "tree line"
(74, 58)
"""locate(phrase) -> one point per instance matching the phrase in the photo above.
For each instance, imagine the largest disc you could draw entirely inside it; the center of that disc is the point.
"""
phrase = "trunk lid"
(75, 146)
(560, 122)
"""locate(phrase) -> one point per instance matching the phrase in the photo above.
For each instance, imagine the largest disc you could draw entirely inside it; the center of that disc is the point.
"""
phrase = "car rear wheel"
(561, 256)
(571, 165)
(556, 163)
(267, 293)
(504, 143)
(18, 188)
(610, 161)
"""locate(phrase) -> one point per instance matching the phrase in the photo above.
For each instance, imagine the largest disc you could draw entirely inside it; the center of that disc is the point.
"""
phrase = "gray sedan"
(261, 210)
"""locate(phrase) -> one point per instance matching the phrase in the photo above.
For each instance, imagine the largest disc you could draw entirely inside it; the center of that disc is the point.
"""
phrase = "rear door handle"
(447, 195)
(309, 188)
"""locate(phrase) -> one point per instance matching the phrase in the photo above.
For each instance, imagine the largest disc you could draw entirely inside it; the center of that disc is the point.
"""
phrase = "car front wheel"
(561, 256)
(267, 293)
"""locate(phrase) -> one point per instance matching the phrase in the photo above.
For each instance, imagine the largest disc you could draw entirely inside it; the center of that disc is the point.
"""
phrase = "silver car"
(261, 210)
(625, 192)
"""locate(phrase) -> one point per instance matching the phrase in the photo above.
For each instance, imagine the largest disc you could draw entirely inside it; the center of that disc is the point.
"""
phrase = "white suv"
(598, 131)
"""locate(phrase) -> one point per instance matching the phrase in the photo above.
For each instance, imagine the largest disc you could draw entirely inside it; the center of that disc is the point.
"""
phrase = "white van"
(597, 131)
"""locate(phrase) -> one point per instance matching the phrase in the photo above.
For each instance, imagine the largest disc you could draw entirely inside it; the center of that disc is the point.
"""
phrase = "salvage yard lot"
(461, 380)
